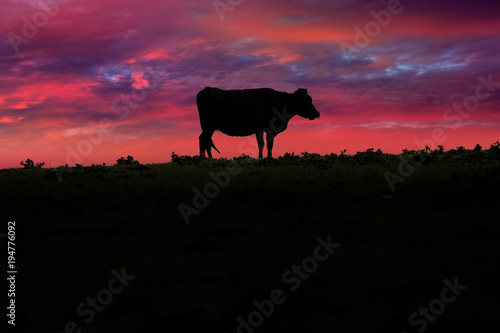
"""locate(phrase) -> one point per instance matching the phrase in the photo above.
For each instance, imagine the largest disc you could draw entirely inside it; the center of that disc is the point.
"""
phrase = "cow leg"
(206, 143)
(202, 146)
(270, 144)
(260, 142)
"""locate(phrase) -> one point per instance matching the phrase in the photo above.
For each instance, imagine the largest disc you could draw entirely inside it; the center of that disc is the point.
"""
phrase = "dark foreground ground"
(391, 255)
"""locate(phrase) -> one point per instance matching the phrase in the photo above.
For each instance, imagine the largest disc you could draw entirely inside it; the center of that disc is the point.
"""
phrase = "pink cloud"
(8, 120)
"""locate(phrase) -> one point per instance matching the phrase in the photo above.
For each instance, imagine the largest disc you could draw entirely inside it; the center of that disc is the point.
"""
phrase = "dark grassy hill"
(76, 225)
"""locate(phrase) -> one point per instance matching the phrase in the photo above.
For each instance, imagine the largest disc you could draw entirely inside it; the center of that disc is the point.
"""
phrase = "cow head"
(303, 104)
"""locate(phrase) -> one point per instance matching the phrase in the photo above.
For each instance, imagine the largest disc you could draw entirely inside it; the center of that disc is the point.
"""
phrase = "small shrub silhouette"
(29, 164)
(175, 158)
(495, 148)
(126, 161)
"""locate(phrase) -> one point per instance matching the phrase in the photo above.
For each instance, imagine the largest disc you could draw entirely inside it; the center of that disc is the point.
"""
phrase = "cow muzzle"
(316, 115)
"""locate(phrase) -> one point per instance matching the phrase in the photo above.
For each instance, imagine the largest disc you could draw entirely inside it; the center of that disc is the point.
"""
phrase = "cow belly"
(241, 130)
(237, 123)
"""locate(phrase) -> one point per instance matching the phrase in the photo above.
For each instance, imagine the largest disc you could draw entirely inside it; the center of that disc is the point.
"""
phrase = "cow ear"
(301, 91)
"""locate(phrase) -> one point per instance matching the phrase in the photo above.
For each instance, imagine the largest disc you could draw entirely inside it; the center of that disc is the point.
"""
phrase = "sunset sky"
(89, 81)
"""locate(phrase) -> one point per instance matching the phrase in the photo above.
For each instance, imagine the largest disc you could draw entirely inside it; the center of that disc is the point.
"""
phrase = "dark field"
(396, 248)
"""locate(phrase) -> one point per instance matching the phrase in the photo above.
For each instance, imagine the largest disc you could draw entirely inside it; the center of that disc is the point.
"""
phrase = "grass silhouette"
(397, 247)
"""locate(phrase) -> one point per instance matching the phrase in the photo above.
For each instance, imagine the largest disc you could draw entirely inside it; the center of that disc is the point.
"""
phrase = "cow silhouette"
(250, 111)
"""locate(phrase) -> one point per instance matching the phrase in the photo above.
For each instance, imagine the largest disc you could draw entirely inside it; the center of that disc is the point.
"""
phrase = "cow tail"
(212, 143)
